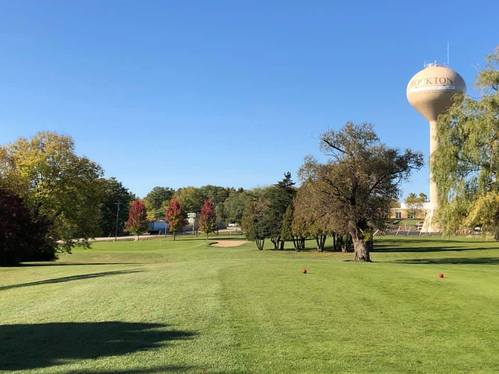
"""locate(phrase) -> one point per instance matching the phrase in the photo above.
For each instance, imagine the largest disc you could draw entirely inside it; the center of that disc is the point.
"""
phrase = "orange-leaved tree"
(207, 220)
(175, 216)
(137, 218)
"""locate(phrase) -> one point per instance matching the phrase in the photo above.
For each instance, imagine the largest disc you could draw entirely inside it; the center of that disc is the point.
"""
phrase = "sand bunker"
(228, 243)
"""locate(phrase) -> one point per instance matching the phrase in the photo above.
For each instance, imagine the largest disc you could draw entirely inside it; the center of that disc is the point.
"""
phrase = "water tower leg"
(429, 224)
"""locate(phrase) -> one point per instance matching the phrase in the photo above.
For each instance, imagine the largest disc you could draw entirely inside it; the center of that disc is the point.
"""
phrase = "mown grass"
(160, 306)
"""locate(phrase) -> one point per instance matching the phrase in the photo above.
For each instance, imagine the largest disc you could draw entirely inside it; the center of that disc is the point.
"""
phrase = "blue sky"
(233, 93)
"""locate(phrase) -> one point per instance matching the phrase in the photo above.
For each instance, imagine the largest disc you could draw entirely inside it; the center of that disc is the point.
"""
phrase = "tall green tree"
(114, 207)
(280, 197)
(309, 220)
(190, 198)
(356, 187)
(256, 223)
(466, 163)
(234, 206)
(216, 194)
(287, 225)
(220, 220)
(156, 200)
(49, 176)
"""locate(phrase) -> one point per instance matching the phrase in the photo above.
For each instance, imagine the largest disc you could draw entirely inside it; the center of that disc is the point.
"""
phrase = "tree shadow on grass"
(34, 346)
(35, 264)
(450, 261)
(159, 369)
(68, 279)
(424, 239)
(394, 249)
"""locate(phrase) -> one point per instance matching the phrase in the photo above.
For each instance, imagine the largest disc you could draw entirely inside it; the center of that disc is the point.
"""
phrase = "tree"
(175, 216)
(256, 224)
(309, 220)
(137, 218)
(190, 199)
(62, 186)
(287, 225)
(356, 187)
(114, 194)
(264, 212)
(207, 219)
(415, 203)
(466, 162)
(280, 196)
(24, 235)
(234, 206)
(155, 201)
(215, 194)
(220, 216)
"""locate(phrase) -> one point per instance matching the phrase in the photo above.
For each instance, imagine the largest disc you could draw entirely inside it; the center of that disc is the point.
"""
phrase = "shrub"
(24, 234)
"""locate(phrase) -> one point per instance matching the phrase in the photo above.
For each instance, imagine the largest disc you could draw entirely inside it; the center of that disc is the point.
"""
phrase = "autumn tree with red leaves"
(207, 220)
(175, 216)
(137, 218)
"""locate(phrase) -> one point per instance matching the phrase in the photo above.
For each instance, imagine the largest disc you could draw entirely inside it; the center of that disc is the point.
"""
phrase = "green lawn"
(160, 306)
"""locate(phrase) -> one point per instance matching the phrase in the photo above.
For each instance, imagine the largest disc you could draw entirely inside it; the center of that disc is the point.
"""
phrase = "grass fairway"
(160, 306)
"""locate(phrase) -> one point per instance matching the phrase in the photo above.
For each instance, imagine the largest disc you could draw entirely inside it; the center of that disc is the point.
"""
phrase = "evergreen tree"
(287, 224)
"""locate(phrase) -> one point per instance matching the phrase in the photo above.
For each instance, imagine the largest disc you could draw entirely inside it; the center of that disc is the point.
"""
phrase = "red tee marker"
(441, 275)
(304, 271)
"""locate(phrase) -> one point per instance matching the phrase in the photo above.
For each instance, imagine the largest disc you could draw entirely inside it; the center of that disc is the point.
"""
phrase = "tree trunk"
(276, 241)
(321, 241)
(273, 243)
(361, 249)
(174, 235)
(281, 245)
(260, 243)
(301, 243)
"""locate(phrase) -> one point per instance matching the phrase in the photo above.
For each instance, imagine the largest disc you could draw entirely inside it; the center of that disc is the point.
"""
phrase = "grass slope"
(160, 306)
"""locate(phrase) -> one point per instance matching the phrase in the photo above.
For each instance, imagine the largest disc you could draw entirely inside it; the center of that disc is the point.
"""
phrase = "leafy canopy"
(64, 187)
(466, 163)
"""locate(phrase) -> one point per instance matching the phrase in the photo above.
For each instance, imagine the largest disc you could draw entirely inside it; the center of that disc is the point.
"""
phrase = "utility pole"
(117, 218)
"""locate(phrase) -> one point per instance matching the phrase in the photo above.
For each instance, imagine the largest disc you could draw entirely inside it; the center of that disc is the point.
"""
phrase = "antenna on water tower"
(448, 53)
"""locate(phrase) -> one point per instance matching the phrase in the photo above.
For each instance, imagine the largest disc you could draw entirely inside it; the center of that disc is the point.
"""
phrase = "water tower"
(431, 92)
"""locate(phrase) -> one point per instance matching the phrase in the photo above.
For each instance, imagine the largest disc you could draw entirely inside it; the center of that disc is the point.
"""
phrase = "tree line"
(52, 199)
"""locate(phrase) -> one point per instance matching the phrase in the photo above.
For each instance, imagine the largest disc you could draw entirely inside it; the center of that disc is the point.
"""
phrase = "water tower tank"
(430, 91)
